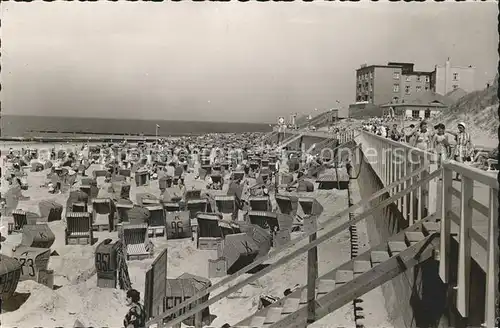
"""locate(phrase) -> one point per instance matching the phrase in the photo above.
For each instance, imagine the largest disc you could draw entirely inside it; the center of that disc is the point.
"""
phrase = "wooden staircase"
(352, 279)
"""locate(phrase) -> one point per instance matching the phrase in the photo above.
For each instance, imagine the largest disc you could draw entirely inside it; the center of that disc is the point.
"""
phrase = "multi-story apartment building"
(382, 84)
(448, 78)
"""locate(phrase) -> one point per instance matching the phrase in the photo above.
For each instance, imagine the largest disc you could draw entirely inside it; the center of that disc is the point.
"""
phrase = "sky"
(235, 62)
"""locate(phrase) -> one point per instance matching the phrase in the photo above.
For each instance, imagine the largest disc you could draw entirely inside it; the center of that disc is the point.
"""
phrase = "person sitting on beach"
(136, 316)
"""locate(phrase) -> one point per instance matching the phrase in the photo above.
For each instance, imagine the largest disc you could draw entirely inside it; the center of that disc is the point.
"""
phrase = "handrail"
(420, 152)
(294, 254)
(472, 173)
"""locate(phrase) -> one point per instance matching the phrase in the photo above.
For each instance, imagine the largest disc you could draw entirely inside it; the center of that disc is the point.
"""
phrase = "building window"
(396, 75)
(395, 88)
(370, 87)
(427, 113)
(427, 79)
(415, 113)
(455, 86)
(371, 75)
(426, 88)
(419, 79)
(407, 89)
(358, 99)
(455, 76)
(395, 99)
(408, 78)
(419, 88)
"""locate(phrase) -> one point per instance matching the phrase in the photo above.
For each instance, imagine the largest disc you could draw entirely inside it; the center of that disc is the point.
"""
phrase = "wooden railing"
(384, 149)
(328, 233)
(392, 160)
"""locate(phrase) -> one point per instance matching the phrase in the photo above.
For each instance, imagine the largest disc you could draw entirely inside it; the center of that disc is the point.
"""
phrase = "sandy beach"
(77, 297)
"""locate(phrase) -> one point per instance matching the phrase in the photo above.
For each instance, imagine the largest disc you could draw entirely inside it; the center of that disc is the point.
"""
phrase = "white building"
(448, 77)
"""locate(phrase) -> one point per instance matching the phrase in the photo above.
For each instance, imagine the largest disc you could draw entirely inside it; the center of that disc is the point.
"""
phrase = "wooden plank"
(343, 276)
(413, 237)
(286, 258)
(364, 283)
(379, 256)
(325, 286)
(492, 265)
(362, 266)
(396, 247)
(430, 227)
(445, 227)
(464, 248)
(312, 273)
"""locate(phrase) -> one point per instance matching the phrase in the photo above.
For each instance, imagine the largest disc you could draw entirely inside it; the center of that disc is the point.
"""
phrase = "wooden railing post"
(432, 192)
(198, 317)
(464, 247)
(491, 266)
(310, 225)
(445, 233)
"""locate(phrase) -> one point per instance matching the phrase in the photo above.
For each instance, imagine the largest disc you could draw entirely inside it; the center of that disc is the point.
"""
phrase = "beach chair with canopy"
(120, 189)
(287, 204)
(123, 206)
(146, 199)
(237, 175)
(103, 212)
(76, 196)
(125, 173)
(78, 229)
(192, 194)
(156, 220)
(217, 180)
(260, 203)
(226, 205)
(262, 237)
(195, 206)
(138, 215)
(178, 225)
(22, 218)
(264, 219)
(142, 178)
(164, 183)
(184, 287)
(37, 235)
(89, 186)
(10, 273)
(239, 251)
(208, 231)
(172, 206)
(51, 210)
(310, 206)
(136, 242)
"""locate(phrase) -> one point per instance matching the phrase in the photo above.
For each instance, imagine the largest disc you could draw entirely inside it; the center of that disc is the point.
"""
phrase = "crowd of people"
(445, 143)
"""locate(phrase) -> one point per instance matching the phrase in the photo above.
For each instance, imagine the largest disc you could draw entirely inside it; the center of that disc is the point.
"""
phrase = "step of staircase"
(350, 280)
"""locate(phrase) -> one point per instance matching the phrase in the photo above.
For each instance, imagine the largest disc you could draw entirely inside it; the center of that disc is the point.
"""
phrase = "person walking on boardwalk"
(136, 316)
(422, 137)
(464, 148)
(440, 143)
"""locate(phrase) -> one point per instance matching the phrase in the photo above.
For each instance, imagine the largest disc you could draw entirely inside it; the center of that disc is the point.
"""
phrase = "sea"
(37, 126)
